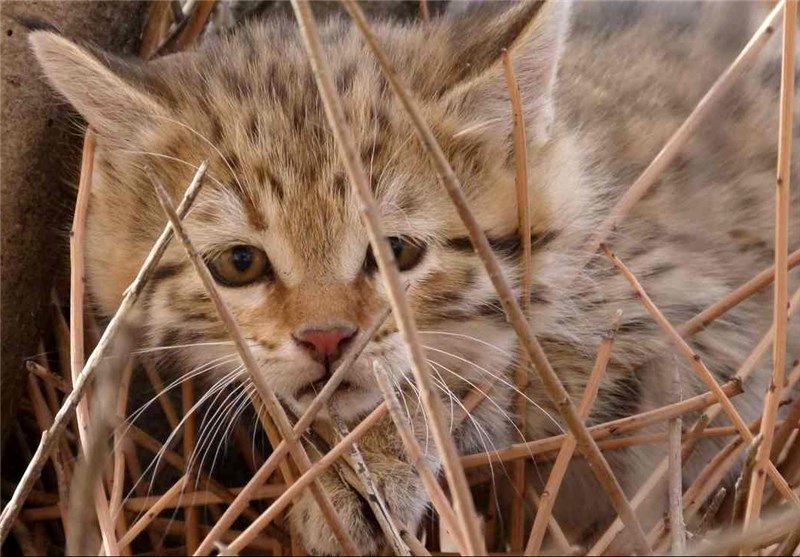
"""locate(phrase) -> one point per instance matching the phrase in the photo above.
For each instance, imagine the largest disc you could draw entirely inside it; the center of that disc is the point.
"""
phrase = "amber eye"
(239, 266)
(407, 253)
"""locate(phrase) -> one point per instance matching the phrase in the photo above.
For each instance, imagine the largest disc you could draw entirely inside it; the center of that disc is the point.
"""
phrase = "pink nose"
(325, 345)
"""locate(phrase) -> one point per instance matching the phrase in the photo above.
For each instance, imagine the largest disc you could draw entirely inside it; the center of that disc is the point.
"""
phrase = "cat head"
(276, 220)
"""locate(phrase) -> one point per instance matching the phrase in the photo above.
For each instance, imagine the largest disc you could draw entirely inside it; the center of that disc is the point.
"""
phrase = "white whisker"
(499, 378)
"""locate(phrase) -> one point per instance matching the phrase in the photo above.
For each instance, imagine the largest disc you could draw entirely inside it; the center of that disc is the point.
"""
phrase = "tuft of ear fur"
(108, 94)
(534, 33)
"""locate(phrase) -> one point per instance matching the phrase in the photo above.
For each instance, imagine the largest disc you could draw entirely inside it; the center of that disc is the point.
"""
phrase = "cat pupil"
(242, 258)
(396, 244)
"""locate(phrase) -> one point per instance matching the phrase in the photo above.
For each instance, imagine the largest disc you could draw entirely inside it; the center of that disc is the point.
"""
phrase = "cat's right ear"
(108, 93)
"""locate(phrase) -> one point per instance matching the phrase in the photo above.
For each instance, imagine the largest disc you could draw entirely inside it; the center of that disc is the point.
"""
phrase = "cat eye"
(407, 253)
(239, 266)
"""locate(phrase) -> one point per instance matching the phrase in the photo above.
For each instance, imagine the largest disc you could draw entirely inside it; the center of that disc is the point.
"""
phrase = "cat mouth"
(313, 389)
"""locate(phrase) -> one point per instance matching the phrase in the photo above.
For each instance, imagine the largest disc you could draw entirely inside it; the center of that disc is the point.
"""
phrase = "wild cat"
(603, 86)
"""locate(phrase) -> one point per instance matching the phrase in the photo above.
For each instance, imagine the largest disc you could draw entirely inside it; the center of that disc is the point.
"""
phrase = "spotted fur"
(247, 103)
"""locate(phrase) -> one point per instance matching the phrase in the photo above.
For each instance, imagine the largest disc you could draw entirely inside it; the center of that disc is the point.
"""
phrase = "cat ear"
(534, 33)
(110, 94)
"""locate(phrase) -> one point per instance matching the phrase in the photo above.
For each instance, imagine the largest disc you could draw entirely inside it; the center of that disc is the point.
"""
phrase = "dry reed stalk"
(524, 230)
(159, 505)
(550, 493)
(192, 517)
(789, 546)
(118, 483)
(161, 395)
(265, 393)
(416, 547)
(371, 494)
(472, 399)
(201, 498)
(790, 423)
(604, 430)
(179, 463)
(389, 273)
(675, 143)
(278, 452)
(43, 420)
(781, 289)
(763, 534)
(77, 245)
(424, 12)
(51, 436)
(514, 314)
(563, 547)
(674, 473)
(711, 475)
(718, 467)
(25, 540)
(154, 29)
(178, 528)
(47, 376)
(246, 450)
(416, 457)
(701, 371)
(305, 480)
(87, 487)
(742, 486)
(752, 286)
(711, 512)
(188, 30)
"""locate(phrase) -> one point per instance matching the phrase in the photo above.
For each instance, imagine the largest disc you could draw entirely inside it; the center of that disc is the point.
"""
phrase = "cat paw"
(397, 481)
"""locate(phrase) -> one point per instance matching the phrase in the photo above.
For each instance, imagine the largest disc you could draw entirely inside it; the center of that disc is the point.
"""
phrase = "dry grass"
(235, 519)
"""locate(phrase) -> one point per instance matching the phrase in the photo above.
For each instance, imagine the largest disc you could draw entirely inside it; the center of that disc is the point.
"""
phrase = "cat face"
(276, 220)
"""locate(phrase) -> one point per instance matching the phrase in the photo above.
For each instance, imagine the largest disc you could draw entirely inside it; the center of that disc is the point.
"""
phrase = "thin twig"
(413, 543)
(675, 143)
(50, 437)
(563, 547)
(187, 30)
(711, 513)
(417, 458)
(756, 536)
(265, 393)
(674, 472)
(305, 480)
(550, 492)
(232, 512)
(701, 371)
(743, 482)
(192, 518)
(77, 245)
(742, 375)
(424, 12)
(43, 420)
(162, 503)
(526, 277)
(602, 431)
(752, 286)
(373, 496)
(781, 289)
(514, 314)
(389, 273)
(790, 423)
(162, 395)
(156, 25)
(87, 491)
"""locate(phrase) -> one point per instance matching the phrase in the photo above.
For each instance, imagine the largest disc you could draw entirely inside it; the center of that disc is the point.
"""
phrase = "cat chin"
(351, 402)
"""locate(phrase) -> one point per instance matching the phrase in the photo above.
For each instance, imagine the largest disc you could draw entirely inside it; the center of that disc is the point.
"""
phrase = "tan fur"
(248, 104)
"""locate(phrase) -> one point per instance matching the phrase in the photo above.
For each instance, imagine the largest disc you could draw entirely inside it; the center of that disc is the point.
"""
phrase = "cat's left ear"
(114, 96)
(534, 33)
